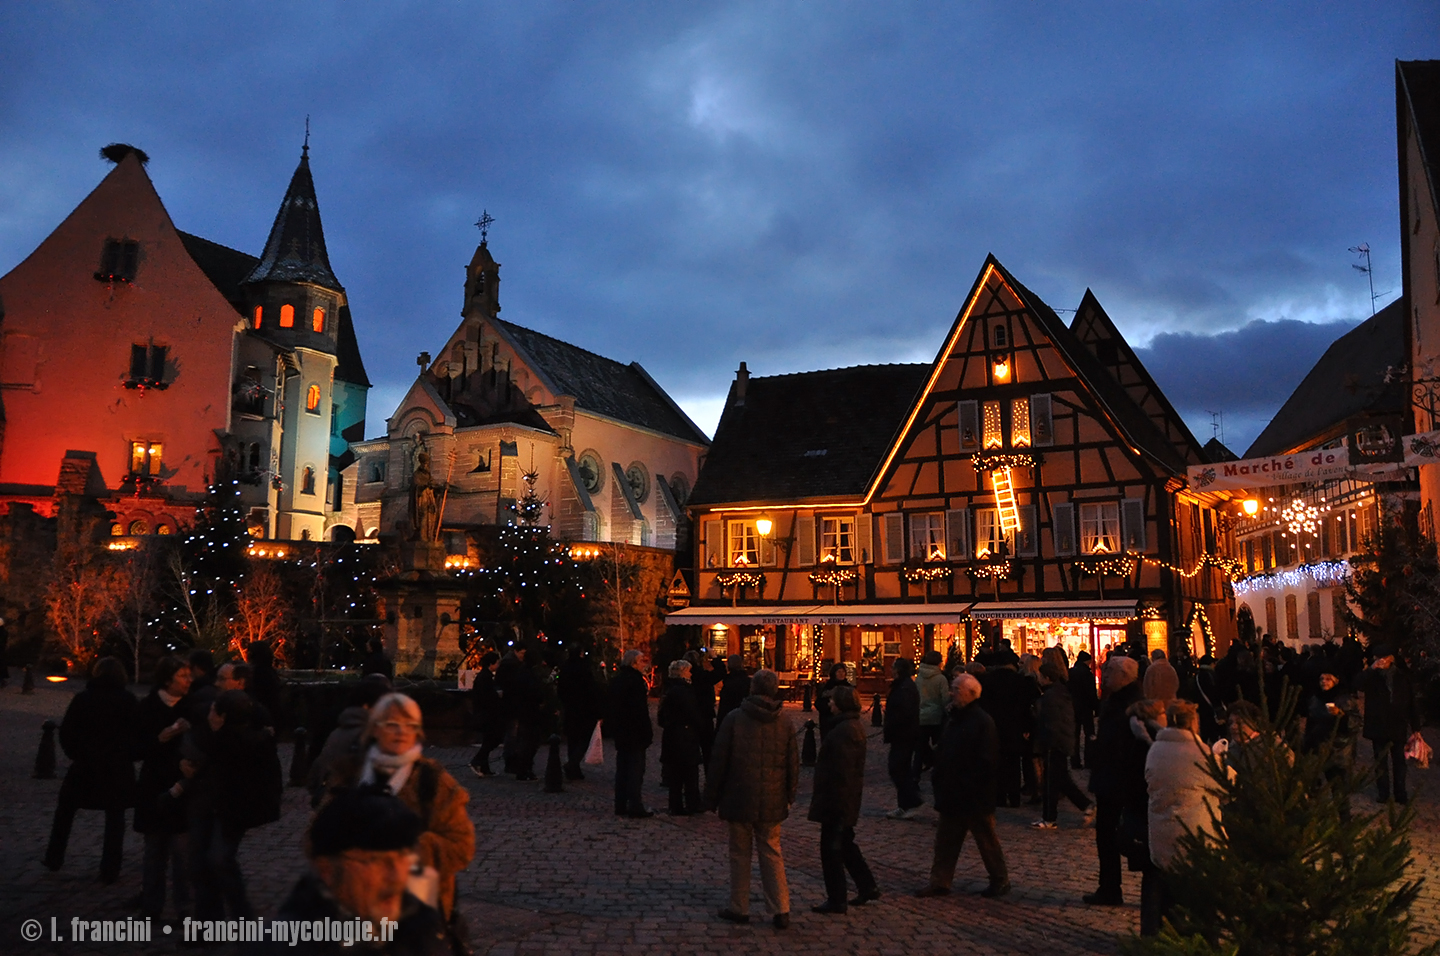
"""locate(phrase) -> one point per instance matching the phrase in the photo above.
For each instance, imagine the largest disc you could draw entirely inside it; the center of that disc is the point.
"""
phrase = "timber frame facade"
(1032, 488)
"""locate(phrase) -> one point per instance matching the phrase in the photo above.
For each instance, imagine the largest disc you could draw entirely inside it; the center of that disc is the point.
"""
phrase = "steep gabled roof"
(1349, 381)
(349, 366)
(295, 251)
(626, 393)
(225, 267)
(1417, 88)
(807, 435)
(1097, 332)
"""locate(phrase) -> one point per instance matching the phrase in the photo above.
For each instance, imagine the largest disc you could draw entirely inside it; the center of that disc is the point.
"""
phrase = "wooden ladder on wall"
(1005, 500)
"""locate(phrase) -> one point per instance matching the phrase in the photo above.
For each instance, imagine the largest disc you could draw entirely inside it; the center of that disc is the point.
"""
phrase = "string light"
(985, 461)
(1230, 566)
(833, 577)
(1301, 517)
(739, 579)
(927, 572)
(1324, 574)
(991, 569)
(1118, 565)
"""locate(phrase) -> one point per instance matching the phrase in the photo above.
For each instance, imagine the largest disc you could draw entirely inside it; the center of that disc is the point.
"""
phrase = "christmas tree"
(1394, 589)
(529, 585)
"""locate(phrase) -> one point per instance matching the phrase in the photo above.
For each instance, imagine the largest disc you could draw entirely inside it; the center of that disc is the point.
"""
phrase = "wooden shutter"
(1027, 538)
(969, 412)
(1132, 524)
(957, 534)
(1042, 422)
(714, 543)
(1063, 528)
(804, 540)
(139, 362)
(892, 538)
(157, 362)
(864, 543)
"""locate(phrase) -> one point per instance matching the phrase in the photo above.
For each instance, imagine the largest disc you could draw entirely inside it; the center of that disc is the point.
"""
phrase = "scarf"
(167, 699)
(393, 769)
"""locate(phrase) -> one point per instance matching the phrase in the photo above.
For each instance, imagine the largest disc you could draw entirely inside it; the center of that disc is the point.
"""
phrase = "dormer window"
(287, 316)
(119, 261)
(317, 320)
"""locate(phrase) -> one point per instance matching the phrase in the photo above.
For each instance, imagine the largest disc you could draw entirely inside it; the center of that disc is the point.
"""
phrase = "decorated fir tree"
(1394, 589)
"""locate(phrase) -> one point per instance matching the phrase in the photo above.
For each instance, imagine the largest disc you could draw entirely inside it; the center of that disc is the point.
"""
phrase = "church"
(139, 363)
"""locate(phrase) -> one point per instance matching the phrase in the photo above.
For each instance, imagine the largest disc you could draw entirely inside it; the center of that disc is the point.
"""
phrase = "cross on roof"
(484, 225)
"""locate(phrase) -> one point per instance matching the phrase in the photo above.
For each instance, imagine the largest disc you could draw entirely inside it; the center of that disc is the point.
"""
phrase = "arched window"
(259, 314)
(317, 320)
(312, 399)
(307, 482)
(287, 316)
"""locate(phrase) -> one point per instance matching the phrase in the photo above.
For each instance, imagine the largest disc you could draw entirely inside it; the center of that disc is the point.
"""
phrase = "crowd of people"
(391, 829)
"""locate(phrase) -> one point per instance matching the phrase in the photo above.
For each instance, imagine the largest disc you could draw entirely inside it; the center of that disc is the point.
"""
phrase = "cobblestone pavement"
(560, 874)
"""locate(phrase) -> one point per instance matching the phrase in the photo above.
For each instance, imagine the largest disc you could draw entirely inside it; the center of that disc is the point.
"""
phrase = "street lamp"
(1251, 506)
(764, 526)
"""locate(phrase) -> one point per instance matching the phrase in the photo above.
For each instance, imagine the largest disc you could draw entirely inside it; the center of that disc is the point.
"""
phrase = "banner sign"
(1324, 464)
(1422, 449)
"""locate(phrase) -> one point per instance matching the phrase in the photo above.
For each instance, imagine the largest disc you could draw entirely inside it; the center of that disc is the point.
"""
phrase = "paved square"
(560, 874)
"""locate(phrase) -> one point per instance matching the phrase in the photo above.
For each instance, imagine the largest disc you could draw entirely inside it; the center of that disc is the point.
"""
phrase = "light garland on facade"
(1325, 574)
(739, 579)
(927, 572)
(1117, 565)
(995, 569)
(1229, 565)
(989, 462)
(833, 577)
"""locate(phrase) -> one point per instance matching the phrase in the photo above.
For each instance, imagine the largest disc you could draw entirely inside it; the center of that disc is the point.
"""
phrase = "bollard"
(554, 779)
(27, 686)
(809, 696)
(877, 713)
(807, 749)
(45, 758)
(299, 765)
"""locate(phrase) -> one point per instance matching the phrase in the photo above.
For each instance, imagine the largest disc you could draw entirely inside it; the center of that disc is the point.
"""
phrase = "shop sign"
(679, 594)
(1323, 464)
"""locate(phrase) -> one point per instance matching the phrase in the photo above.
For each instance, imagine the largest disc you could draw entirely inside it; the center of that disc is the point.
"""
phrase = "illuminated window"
(164, 529)
(837, 540)
(743, 544)
(927, 537)
(1020, 423)
(993, 435)
(317, 320)
(117, 529)
(988, 535)
(259, 314)
(872, 651)
(287, 316)
(139, 526)
(145, 457)
(307, 482)
(1100, 527)
(312, 399)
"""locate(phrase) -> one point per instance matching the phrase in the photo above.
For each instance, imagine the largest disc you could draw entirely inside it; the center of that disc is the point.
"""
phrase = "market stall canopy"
(830, 614)
(1054, 610)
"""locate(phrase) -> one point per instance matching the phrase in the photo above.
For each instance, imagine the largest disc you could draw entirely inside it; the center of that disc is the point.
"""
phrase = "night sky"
(799, 186)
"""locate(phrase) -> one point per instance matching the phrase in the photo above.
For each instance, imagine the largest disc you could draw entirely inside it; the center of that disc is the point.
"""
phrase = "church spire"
(295, 251)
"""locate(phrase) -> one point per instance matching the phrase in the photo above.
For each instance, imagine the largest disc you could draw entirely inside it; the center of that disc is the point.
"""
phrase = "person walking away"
(733, 689)
(1390, 718)
(1086, 702)
(377, 663)
(682, 728)
(345, 739)
(965, 792)
(96, 735)
(489, 711)
(1007, 698)
(627, 714)
(839, 677)
(391, 762)
(1055, 734)
(835, 804)
(934, 691)
(901, 731)
(1112, 750)
(361, 848)
(751, 782)
(702, 681)
(575, 685)
(525, 699)
(160, 727)
(265, 681)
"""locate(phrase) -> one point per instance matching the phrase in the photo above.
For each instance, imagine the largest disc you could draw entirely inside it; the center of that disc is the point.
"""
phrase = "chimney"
(742, 381)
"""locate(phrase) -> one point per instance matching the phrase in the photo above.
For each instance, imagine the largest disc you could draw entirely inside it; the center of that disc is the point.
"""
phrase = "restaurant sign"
(1324, 464)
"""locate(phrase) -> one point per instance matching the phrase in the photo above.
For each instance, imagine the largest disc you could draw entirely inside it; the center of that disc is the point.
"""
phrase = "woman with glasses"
(389, 759)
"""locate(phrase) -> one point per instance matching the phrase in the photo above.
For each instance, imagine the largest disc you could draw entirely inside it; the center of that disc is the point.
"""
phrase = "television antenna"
(1363, 251)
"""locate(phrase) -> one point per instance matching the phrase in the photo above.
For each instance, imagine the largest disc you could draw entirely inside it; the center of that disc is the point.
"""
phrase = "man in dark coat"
(1111, 776)
(575, 686)
(1086, 700)
(377, 663)
(733, 689)
(902, 732)
(683, 732)
(627, 717)
(965, 791)
(1390, 718)
(1008, 698)
(703, 680)
(361, 850)
(489, 713)
(835, 803)
(1055, 735)
(96, 736)
(160, 726)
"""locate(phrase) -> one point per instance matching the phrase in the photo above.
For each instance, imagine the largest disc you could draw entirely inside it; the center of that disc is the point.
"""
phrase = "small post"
(877, 713)
(45, 758)
(299, 765)
(27, 685)
(554, 779)
(807, 749)
(809, 696)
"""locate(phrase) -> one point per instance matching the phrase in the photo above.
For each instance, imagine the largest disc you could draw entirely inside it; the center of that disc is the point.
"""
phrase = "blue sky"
(795, 185)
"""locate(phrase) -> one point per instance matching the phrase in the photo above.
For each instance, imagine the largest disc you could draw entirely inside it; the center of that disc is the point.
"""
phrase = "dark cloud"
(797, 185)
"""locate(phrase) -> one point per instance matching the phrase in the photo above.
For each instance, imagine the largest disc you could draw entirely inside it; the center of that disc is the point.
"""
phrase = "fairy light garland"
(927, 572)
(739, 579)
(1324, 574)
(988, 462)
(1230, 566)
(1116, 565)
(992, 569)
(833, 577)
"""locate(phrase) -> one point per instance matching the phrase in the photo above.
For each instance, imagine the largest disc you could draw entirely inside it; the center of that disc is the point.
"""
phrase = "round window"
(680, 488)
(164, 529)
(139, 526)
(592, 474)
(117, 528)
(639, 479)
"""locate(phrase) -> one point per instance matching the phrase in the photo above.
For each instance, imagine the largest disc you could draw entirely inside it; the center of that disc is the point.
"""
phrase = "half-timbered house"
(1028, 484)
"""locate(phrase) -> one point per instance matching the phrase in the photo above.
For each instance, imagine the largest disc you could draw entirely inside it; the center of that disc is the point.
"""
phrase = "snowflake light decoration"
(1299, 516)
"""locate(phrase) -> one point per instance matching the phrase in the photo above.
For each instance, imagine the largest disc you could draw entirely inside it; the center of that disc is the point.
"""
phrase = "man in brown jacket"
(751, 781)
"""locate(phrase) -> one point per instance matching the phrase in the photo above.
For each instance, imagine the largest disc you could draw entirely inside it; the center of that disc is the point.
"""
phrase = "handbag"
(595, 753)
(1418, 750)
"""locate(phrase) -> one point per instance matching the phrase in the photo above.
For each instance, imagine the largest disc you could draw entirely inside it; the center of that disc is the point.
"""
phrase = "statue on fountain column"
(424, 511)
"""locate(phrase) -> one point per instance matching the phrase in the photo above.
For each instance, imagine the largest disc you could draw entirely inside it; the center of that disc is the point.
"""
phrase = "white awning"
(825, 614)
(1054, 610)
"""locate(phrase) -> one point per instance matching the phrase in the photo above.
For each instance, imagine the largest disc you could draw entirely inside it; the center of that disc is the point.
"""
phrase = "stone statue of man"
(424, 510)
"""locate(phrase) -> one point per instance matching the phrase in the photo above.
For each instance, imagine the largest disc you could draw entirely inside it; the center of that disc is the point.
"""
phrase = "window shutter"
(1042, 422)
(129, 259)
(863, 539)
(1027, 540)
(157, 362)
(892, 540)
(957, 534)
(714, 543)
(804, 540)
(969, 412)
(1132, 524)
(1063, 517)
(139, 362)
